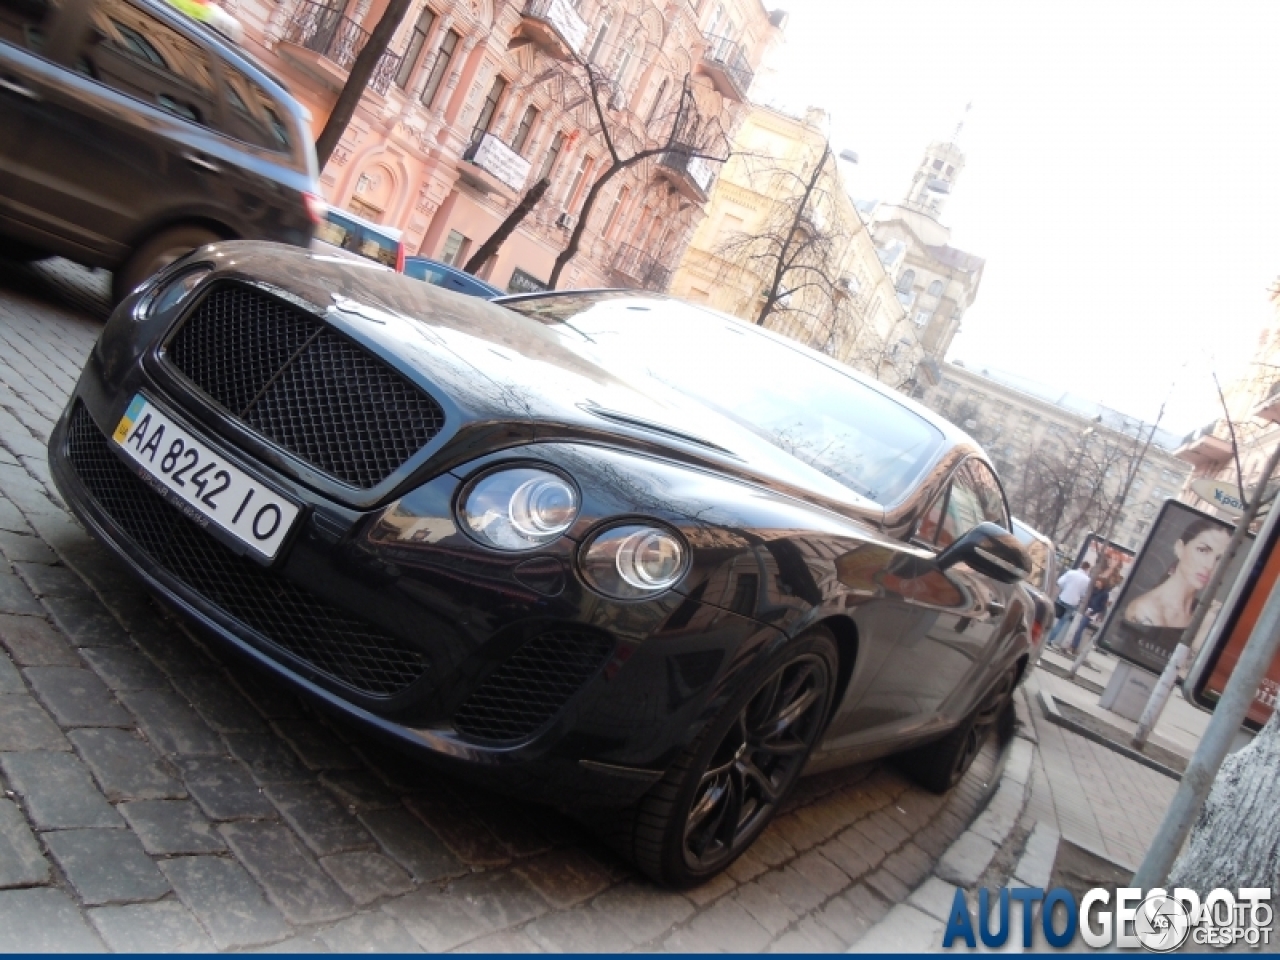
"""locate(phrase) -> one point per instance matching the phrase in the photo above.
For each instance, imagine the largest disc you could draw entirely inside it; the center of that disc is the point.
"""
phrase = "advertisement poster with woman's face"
(1160, 596)
(1109, 563)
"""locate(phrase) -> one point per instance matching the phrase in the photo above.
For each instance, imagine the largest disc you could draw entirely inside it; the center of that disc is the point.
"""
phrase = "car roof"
(456, 272)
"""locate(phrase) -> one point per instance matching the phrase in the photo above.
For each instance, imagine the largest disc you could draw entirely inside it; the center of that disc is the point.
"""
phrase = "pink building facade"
(469, 108)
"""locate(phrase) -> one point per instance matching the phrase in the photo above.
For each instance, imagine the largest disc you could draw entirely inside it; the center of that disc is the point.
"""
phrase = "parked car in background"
(130, 142)
(364, 238)
(1044, 575)
(602, 549)
(451, 278)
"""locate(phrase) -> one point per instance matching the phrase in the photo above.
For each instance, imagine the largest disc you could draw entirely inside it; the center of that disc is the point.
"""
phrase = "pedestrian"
(1071, 588)
(1094, 611)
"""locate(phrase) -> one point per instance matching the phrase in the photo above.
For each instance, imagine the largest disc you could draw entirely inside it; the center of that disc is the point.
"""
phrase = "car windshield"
(824, 417)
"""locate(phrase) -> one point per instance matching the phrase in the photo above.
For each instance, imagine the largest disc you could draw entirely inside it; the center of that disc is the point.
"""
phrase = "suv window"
(972, 497)
(253, 116)
(135, 53)
(349, 235)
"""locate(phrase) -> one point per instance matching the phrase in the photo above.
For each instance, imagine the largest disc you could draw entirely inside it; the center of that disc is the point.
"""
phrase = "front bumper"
(422, 644)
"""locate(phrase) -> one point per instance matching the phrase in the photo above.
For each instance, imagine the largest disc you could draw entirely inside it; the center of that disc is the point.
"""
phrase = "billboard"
(1212, 669)
(1163, 589)
(1107, 561)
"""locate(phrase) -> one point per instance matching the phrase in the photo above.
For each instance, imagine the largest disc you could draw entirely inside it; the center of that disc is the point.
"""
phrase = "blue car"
(451, 278)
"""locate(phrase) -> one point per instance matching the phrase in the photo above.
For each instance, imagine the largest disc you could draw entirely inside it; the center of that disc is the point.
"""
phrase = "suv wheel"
(155, 254)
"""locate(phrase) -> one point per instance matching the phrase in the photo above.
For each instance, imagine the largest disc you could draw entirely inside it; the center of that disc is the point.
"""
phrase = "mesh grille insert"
(303, 385)
(344, 648)
(533, 684)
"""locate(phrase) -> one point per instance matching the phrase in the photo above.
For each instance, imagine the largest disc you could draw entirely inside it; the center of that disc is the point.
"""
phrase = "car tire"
(20, 251)
(156, 253)
(940, 765)
(746, 760)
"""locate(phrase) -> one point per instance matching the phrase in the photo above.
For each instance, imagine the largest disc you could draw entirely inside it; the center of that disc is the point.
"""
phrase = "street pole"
(1257, 656)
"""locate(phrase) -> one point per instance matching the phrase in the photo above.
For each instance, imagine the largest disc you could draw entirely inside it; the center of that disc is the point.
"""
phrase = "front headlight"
(518, 508)
(634, 561)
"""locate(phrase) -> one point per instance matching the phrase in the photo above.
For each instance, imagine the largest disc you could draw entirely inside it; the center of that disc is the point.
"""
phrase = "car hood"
(498, 367)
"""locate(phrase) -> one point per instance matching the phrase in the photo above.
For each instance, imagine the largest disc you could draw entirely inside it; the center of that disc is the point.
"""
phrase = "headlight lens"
(634, 560)
(519, 508)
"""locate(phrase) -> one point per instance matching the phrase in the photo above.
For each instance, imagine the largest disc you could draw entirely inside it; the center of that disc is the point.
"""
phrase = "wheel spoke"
(789, 715)
(797, 682)
(748, 770)
(762, 705)
(727, 829)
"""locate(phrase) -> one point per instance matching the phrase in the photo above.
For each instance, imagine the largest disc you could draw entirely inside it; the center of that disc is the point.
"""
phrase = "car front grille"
(351, 651)
(303, 385)
(533, 684)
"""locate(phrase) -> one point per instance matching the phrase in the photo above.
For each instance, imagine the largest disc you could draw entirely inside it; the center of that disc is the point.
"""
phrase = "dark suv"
(130, 134)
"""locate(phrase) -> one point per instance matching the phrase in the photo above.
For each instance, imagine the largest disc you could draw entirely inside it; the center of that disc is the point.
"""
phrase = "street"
(160, 795)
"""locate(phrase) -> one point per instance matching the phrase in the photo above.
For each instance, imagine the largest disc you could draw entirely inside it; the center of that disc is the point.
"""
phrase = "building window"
(498, 88)
(935, 288)
(522, 132)
(600, 35)
(414, 50)
(906, 281)
(628, 52)
(584, 168)
(553, 154)
(922, 318)
(440, 68)
(937, 164)
(455, 248)
(657, 101)
(619, 201)
(950, 170)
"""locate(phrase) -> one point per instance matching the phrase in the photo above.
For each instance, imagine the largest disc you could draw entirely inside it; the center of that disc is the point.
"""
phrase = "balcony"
(1203, 449)
(691, 176)
(324, 43)
(490, 166)
(724, 63)
(639, 270)
(552, 25)
(1269, 407)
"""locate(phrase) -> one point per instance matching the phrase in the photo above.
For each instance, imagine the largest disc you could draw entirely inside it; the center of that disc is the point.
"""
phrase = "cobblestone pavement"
(159, 796)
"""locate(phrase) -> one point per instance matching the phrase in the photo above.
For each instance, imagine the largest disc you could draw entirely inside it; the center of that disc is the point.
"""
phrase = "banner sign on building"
(1159, 598)
(494, 156)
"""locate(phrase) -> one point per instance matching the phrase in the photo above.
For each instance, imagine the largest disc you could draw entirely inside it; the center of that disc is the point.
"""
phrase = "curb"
(1049, 707)
(918, 924)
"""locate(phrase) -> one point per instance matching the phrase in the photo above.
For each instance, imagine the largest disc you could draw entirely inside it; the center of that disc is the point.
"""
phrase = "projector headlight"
(634, 560)
(518, 508)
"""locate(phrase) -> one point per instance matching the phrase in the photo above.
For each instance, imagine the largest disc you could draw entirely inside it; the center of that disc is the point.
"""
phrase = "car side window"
(253, 116)
(988, 490)
(932, 520)
(975, 498)
(135, 53)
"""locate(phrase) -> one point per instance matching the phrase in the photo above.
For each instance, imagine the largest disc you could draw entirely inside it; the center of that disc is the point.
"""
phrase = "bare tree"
(508, 226)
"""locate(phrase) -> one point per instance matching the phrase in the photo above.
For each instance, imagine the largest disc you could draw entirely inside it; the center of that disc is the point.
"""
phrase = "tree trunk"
(774, 292)
(499, 236)
(575, 238)
(358, 79)
(1236, 838)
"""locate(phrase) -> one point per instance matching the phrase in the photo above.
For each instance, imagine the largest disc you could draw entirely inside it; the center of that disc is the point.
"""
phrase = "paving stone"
(10, 678)
(226, 900)
(904, 930)
(44, 580)
(808, 936)
(580, 930)
(359, 791)
(935, 897)
(409, 842)
(996, 822)
(125, 767)
(41, 920)
(58, 792)
(301, 944)
(462, 832)
(369, 933)
(882, 830)
(171, 827)
(19, 547)
(272, 697)
(11, 518)
(224, 789)
(169, 647)
(712, 890)
(76, 697)
(165, 927)
(504, 941)
(218, 702)
(33, 642)
(888, 886)
(965, 860)
(468, 908)
(799, 832)
(293, 880)
(851, 914)
(267, 758)
(567, 877)
(317, 817)
(366, 876)
(724, 926)
(124, 669)
(765, 908)
(21, 862)
(850, 859)
(909, 864)
(1036, 863)
(171, 725)
(794, 889)
(86, 622)
(106, 866)
(16, 598)
(437, 921)
(771, 849)
(523, 830)
(315, 746)
(641, 911)
(821, 872)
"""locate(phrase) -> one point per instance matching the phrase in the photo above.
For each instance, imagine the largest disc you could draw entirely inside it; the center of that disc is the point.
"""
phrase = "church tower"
(934, 179)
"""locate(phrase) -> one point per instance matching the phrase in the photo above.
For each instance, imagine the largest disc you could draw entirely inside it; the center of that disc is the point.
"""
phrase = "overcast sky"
(1122, 178)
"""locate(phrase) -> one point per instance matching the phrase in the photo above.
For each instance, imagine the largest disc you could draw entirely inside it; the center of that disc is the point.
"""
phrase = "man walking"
(1071, 588)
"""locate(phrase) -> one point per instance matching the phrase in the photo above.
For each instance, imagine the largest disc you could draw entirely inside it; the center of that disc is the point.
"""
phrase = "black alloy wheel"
(715, 800)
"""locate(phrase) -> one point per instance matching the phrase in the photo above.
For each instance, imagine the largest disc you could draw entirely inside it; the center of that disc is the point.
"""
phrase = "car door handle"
(19, 89)
(208, 166)
(995, 608)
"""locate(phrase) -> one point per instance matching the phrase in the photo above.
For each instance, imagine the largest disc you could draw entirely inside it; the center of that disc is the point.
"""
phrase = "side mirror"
(991, 550)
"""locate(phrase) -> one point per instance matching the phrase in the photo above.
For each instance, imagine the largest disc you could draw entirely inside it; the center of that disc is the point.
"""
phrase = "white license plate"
(214, 490)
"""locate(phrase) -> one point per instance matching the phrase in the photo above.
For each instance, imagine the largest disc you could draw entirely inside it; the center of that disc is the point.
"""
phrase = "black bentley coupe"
(604, 549)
